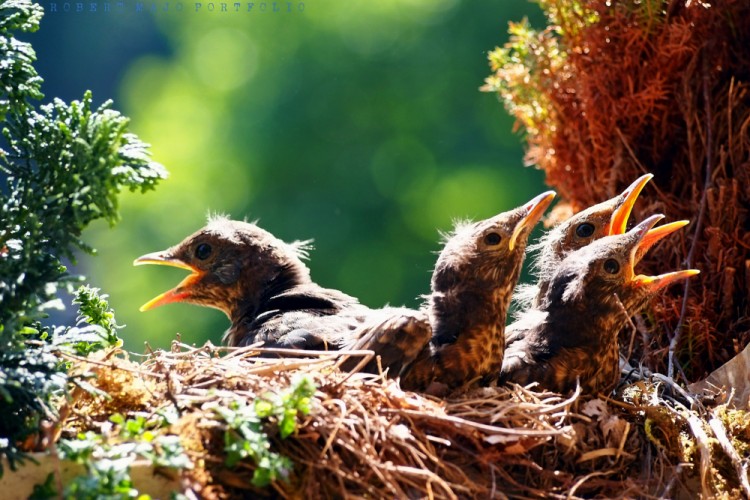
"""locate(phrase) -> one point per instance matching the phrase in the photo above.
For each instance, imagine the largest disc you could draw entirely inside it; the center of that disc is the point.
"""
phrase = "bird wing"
(527, 323)
(527, 349)
(303, 317)
(396, 335)
(310, 297)
(555, 367)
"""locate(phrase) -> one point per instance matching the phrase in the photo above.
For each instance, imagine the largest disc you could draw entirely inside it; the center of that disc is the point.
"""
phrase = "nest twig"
(366, 437)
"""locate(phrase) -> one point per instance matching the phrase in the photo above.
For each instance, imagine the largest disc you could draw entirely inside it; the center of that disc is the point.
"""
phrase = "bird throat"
(468, 334)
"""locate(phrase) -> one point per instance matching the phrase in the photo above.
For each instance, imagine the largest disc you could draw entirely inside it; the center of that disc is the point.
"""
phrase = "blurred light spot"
(373, 275)
(225, 59)
(176, 120)
(402, 167)
(473, 193)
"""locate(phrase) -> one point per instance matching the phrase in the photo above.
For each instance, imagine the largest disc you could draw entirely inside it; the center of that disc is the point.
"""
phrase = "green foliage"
(361, 127)
(65, 167)
(528, 66)
(19, 81)
(524, 68)
(100, 330)
(45, 491)
(62, 167)
(28, 379)
(519, 74)
(246, 436)
(107, 461)
(570, 17)
(32, 375)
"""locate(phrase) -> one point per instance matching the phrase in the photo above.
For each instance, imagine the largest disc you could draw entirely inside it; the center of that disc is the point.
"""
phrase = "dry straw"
(365, 437)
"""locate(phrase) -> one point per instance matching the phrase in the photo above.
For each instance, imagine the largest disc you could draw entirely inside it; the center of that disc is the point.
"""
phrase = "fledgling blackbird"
(573, 334)
(470, 292)
(604, 219)
(261, 284)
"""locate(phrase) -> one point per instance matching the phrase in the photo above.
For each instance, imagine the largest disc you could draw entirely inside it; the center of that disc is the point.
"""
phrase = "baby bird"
(471, 287)
(604, 219)
(572, 335)
(261, 284)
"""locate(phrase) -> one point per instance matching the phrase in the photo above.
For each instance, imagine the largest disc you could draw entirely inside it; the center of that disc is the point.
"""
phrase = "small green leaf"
(263, 408)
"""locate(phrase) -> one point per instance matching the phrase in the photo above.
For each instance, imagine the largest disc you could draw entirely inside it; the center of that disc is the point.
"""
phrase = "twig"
(705, 451)
(740, 466)
(676, 387)
(582, 480)
(695, 422)
(489, 429)
(170, 393)
(366, 356)
(109, 364)
(699, 224)
(672, 480)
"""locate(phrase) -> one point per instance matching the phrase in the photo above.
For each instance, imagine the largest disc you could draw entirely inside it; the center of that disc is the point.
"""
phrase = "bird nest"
(362, 436)
(610, 91)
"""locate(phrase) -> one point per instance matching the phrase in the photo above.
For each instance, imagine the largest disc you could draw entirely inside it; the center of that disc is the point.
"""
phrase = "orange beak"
(640, 233)
(619, 220)
(176, 294)
(663, 280)
(654, 283)
(657, 234)
(534, 210)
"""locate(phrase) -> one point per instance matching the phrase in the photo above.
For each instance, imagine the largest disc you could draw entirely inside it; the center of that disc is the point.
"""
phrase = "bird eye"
(585, 230)
(492, 239)
(202, 251)
(611, 266)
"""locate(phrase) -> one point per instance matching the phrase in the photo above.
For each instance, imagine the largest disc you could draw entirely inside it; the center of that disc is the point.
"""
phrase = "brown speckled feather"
(572, 336)
(471, 288)
(603, 219)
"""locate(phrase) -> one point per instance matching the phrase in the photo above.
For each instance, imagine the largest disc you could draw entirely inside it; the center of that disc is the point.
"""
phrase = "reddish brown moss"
(616, 89)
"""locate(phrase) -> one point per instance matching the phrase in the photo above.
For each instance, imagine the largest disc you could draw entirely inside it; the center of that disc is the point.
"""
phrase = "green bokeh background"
(356, 123)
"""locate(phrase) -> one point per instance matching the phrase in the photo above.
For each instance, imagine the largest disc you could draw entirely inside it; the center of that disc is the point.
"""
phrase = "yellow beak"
(534, 210)
(663, 280)
(176, 294)
(619, 220)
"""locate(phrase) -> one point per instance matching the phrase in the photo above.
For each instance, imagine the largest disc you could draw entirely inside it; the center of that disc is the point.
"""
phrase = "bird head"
(598, 272)
(232, 264)
(489, 251)
(604, 219)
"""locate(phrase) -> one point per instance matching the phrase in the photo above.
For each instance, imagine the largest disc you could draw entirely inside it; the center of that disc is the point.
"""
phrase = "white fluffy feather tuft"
(302, 248)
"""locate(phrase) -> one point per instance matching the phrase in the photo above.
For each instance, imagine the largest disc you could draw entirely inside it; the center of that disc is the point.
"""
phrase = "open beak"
(176, 294)
(533, 212)
(619, 220)
(648, 237)
(656, 234)
(636, 236)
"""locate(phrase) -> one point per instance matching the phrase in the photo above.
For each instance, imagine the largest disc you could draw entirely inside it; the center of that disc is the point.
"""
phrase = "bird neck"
(254, 300)
(459, 311)
(593, 327)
